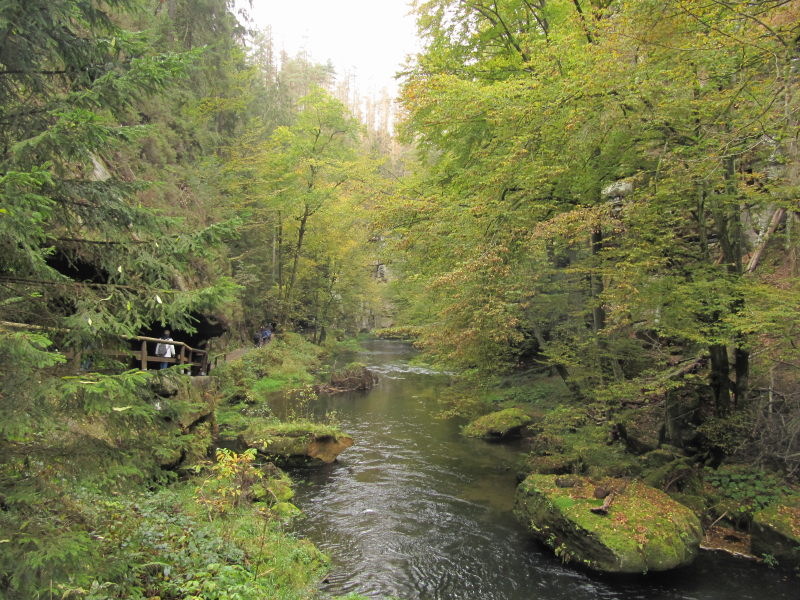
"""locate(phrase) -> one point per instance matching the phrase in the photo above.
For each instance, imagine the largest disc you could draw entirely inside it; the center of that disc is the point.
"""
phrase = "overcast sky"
(368, 37)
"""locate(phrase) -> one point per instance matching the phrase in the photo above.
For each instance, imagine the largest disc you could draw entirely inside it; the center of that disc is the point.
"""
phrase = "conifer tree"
(84, 265)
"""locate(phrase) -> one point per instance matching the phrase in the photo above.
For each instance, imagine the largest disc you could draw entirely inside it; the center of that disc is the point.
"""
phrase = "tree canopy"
(598, 184)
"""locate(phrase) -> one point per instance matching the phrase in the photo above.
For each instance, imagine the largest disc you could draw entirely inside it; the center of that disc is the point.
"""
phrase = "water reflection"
(415, 511)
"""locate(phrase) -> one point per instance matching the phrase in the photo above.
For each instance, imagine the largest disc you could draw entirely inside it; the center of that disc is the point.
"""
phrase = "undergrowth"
(98, 517)
(172, 543)
(740, 491)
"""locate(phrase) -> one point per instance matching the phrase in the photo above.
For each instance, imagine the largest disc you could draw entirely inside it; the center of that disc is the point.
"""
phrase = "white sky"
(370, 38)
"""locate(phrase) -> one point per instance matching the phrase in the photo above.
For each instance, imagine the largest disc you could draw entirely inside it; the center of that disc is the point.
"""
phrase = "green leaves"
(526, 114)
(742, 492)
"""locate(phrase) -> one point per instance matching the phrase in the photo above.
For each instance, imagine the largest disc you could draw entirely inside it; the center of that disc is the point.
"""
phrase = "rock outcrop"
(186, 406)
(613, 526)
(776, 532)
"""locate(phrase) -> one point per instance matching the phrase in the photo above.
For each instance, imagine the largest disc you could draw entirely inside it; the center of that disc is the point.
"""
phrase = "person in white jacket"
(165, 350)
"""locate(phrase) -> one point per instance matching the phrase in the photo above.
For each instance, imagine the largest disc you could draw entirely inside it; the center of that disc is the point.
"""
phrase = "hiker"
(165, 350)
(266, 335)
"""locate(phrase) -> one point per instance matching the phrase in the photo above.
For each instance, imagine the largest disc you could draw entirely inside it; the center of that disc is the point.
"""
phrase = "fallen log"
(603, 510)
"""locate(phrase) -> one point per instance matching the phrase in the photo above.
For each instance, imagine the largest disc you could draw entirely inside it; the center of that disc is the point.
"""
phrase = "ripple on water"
(415, 511)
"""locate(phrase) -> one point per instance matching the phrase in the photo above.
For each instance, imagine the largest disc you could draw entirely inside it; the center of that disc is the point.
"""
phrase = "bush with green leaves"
(234, 480)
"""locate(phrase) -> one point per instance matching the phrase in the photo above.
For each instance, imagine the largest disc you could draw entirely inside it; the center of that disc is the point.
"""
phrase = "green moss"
(296, 443)
(295, 429)
(268, 385)
(696, 503)
(563, 502)
(599, 457)
(475, 393)
(565, 419)
(643, 530)
(572, 446)
(661, 476)
(287, 362)
(776, 532)
(553, 464)
(498, 424)
(783, 516)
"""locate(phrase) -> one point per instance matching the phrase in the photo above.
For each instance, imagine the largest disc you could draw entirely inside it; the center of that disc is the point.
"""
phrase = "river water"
(415, 511)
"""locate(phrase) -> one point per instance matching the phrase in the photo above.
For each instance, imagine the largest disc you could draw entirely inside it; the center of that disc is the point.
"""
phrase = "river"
(415, 511)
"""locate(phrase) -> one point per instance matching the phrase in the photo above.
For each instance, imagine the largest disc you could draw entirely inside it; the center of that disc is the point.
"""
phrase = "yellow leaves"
(569, 225)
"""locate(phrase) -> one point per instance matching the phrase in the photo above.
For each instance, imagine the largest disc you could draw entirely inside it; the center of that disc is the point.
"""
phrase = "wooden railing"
(184, 354)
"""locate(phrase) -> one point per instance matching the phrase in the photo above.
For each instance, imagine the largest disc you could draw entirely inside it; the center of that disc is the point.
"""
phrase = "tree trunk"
(287, 297)
(777, 217)
(609, 365)
(741, 367)
(279, 234)
(596, 282)
(720, 379)
(274, 270)
(727, 218)
(701, 222)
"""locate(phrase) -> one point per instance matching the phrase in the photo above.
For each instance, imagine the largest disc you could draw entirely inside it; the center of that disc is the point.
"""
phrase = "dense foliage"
(603, 201)
(122, 124)
(608, 189)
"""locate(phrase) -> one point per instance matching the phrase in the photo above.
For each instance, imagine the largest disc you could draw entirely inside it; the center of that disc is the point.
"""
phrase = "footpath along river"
(415, 511)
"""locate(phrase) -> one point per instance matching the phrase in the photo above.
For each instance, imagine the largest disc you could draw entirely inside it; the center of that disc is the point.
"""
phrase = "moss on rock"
(552, 464)
(643, 530)
(353, 377)
(297, 444)
(776, 531)
(498, 425)
(641, 428)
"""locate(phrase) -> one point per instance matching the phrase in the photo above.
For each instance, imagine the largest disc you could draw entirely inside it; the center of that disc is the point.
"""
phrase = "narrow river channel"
(415, 511)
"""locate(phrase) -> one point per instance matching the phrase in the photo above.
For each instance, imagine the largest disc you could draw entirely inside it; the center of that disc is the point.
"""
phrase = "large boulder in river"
(776, 532)
(498, 425)
(297, 444)
(612, 527)
(354, 377)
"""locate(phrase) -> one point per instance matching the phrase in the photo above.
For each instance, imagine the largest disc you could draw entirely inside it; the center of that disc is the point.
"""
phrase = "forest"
(582, 210)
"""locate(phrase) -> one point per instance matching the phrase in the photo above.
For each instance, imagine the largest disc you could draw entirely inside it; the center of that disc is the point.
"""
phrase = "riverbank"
(564, 437)
(416, 510)
(165, 511)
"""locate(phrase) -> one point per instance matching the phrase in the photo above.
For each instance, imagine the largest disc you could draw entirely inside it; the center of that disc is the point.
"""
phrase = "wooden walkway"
(198, 361)
(185, 355)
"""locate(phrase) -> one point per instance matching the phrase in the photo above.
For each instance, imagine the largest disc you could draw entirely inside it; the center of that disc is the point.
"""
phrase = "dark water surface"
(414, 510)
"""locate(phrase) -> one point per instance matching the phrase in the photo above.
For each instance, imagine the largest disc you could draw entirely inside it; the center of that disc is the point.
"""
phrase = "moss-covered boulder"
(498, 425)
(297, 444)
(636, 528)
(776, 532)
(353, 377)
(669, 469)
